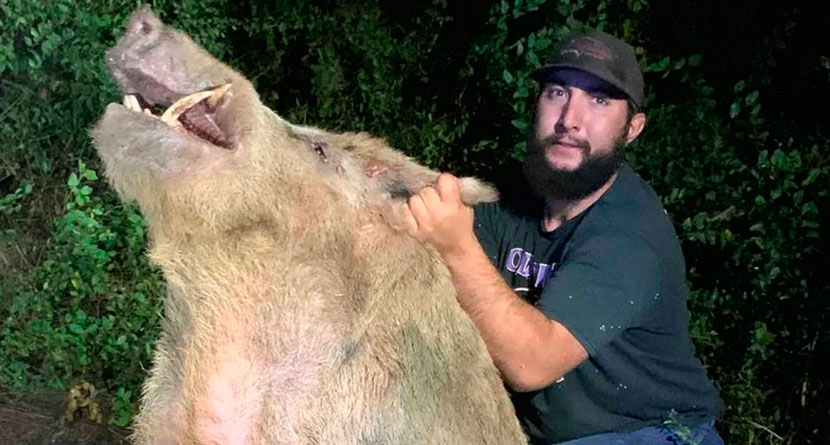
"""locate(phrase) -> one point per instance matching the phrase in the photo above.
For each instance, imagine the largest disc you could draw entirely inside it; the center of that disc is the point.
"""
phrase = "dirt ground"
(38, 420)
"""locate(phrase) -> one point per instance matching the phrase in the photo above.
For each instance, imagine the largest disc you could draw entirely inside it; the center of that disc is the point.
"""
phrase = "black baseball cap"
(601, 55)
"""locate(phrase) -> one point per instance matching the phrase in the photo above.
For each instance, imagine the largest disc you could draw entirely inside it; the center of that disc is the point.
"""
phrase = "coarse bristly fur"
(297, 312)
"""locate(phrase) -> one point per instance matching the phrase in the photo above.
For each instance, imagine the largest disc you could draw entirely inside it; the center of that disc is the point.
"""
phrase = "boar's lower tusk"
(131, 102)
(172, 113)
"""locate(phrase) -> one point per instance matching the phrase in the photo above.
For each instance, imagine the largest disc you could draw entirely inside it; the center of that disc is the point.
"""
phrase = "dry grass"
(34, 419)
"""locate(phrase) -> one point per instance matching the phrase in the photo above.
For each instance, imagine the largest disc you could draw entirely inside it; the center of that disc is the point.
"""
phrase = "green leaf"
(73, 180)
(811, 177)
(521, 124)
(752, 97)
(543, 43)
(77, 329)
(779, 159)
(90, 175)
(734, 109)
(508, 78)
(662, 64)
(809, 208)
(739, 86)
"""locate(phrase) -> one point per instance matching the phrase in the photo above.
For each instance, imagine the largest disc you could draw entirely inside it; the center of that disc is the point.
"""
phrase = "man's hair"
(632, 110)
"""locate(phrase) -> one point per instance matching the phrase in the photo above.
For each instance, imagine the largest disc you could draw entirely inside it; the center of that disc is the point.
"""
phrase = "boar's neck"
(255, 254)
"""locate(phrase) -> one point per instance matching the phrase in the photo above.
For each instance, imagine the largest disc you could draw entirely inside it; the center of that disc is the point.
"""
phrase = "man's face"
(578, 138)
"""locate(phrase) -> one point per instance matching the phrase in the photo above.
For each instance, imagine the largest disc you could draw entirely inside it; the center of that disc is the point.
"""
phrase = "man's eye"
(602, 100)
(554, 92)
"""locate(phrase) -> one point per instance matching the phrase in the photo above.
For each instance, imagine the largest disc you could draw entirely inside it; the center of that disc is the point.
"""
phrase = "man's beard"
(570, 185)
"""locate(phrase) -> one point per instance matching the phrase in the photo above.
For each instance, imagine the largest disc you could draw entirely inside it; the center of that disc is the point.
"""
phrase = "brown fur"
(296, 312)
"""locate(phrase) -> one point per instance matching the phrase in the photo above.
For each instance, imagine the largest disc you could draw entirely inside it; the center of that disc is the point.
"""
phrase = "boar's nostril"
(145, 27)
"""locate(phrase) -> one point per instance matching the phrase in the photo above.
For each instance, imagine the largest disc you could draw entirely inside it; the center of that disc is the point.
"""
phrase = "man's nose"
(570, 119)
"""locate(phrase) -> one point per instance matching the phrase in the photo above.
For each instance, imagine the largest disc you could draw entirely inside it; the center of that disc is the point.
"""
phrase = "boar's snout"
(143, 30)
(143, 23)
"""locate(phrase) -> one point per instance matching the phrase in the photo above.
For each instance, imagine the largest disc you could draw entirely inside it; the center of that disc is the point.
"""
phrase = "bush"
(91, 309)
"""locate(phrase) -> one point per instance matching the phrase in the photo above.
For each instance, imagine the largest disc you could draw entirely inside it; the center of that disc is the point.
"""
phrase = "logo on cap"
(587, 46)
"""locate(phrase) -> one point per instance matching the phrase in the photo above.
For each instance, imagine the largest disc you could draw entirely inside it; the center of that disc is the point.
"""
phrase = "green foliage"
(91, 309)
(11, 203)
(51, 81)
(450, 86)
(123, 407)
(749, 224)
(674, 424)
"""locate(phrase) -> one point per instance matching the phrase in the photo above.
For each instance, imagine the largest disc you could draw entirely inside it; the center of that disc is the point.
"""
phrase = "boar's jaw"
(195, 113)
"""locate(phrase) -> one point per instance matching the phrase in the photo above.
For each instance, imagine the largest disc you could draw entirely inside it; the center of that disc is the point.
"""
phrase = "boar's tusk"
(172, 113)
(218, 94)
(131, 102)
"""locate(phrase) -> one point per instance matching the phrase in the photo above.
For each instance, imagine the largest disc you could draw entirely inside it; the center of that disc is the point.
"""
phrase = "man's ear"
(635, 127)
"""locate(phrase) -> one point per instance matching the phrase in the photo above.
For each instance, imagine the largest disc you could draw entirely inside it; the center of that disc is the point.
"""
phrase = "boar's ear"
(403, 179)
(474, 191)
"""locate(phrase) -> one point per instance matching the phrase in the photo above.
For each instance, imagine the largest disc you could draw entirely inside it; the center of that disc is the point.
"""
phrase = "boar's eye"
(320, 150)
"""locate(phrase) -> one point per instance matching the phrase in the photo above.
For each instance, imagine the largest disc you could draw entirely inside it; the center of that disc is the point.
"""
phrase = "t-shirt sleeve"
(603, 285)
(486, 224)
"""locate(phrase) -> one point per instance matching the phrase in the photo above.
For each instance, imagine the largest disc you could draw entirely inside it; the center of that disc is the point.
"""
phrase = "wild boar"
(297, 312)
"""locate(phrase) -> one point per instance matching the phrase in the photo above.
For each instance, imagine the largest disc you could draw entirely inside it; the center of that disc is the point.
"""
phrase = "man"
(582, 300)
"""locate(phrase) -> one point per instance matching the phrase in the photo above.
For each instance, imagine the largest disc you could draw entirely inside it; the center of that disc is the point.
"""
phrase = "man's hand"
(439, 217)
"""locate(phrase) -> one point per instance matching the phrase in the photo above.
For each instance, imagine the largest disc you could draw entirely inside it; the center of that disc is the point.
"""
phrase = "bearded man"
(582, 301)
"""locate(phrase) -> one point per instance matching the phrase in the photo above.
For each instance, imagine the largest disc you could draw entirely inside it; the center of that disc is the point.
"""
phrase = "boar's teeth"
(218, 94)
(131, 102)
(180, 106)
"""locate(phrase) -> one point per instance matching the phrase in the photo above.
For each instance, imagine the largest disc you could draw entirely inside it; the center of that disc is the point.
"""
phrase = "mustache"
(555, 138)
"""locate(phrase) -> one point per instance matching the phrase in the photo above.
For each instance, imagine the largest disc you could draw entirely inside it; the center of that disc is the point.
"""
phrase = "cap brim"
(603, 84)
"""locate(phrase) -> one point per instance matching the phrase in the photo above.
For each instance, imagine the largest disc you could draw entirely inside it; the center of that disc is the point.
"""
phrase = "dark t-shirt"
(614, 276)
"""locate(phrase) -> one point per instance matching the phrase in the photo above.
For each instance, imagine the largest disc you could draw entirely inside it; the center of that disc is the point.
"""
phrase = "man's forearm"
(520, 338)
(530, 350)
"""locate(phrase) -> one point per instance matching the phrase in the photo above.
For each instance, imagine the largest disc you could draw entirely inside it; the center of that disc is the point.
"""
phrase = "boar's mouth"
(194, 113)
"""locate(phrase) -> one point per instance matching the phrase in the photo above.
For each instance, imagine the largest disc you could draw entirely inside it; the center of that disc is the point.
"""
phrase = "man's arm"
(530, 350)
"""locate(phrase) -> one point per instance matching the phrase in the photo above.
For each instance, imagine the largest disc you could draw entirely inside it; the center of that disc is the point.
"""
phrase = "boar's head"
(218, 159)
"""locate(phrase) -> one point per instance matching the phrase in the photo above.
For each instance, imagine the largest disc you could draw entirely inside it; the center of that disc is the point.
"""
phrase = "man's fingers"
(448, 188)
(410, 224)
(430, 196)
(420, 214)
